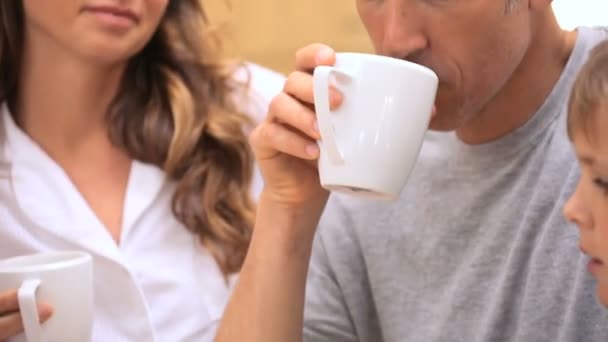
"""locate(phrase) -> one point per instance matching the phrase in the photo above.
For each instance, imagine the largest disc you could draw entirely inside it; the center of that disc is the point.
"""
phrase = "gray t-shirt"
(476, 248)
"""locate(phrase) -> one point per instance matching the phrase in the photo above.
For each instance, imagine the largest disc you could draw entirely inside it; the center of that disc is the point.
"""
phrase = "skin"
(72, 65)
(484, 58)
(588, 205)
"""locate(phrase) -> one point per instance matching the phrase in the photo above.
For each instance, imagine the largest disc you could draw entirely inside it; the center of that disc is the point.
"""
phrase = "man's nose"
(403, 34)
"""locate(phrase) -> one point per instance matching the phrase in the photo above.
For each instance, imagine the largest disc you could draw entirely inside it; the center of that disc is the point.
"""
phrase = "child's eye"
(602, 184)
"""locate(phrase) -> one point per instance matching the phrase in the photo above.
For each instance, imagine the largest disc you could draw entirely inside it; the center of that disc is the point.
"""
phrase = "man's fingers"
(309, 57)
(286, 110)
(300, 85)
(272, 138)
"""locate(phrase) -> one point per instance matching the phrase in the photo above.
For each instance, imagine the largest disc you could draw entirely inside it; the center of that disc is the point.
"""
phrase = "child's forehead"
(591, 138)
(592, 123)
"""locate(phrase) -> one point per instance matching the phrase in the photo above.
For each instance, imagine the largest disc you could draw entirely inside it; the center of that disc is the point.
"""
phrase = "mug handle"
(321, 77)
(29, 310)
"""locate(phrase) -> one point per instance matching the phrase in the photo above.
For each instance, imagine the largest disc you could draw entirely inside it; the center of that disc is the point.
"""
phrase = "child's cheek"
(602, 290)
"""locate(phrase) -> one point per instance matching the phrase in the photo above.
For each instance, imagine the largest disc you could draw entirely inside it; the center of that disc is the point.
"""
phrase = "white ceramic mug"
(370, 144)
(62, 279)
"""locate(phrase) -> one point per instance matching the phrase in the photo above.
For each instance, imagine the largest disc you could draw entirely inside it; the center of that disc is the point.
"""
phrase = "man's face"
(474, 46)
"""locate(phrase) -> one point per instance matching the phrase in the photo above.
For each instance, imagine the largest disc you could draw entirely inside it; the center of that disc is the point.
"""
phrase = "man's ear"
(536, 5)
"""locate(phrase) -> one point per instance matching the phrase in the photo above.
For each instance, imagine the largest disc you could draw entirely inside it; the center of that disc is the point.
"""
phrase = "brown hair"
(590, 93)
(175, 110)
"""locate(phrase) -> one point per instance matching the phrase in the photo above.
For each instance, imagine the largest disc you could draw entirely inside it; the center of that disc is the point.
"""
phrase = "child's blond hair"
(589, 96)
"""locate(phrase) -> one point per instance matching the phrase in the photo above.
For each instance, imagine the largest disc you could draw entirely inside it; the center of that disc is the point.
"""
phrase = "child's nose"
(574, 211)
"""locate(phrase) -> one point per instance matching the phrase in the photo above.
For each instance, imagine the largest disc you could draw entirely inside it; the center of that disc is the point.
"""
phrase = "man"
(476, 248)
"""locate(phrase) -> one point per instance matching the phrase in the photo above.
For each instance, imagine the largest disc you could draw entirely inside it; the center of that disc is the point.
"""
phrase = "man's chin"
(442, 123)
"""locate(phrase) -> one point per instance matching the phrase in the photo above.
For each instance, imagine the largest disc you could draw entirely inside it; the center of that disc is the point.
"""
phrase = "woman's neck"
(62, 100)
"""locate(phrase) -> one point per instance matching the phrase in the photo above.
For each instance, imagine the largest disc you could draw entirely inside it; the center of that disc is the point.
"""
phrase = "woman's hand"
(10, 318)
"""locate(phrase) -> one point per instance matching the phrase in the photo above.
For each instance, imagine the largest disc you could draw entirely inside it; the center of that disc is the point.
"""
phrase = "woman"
(587, 127)
(123, 134)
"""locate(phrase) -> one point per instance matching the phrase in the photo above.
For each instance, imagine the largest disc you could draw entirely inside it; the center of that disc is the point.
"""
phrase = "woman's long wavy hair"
(175, 109)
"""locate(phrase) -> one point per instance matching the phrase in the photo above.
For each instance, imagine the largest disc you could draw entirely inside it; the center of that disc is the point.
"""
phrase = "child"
(588, 131)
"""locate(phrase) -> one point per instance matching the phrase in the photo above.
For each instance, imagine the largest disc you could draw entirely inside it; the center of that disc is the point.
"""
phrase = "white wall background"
(573, 13)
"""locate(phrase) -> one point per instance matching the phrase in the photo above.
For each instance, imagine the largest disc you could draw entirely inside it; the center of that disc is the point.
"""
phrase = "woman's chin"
(104, 52)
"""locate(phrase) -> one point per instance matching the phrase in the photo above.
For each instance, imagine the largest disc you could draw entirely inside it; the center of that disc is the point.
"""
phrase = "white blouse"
(159, 284)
